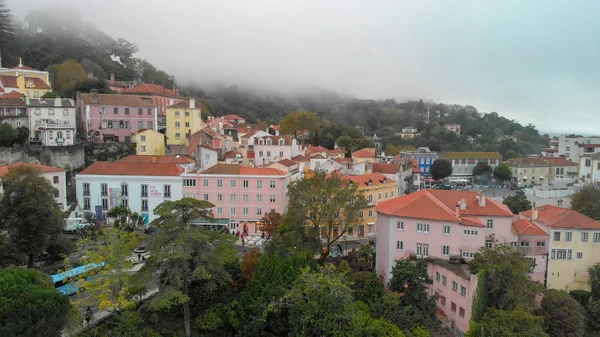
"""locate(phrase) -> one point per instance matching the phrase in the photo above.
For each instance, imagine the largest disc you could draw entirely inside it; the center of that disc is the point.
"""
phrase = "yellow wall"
(151, 141)
(22, 82)
(572, 274)
(195, 124)
(375, 190)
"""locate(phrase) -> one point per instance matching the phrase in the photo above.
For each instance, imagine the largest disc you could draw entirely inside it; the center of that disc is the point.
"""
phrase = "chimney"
(94, 97)
(192, 103)
(112, 78)
(481, 200)
(463, 204)
(534, 213)
(458, 209)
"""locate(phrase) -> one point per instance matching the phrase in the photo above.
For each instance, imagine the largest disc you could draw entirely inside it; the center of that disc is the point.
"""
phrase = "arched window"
(562, 170)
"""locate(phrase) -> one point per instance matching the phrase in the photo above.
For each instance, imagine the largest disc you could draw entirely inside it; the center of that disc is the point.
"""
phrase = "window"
(127, 111)
(588, 162)
(596, 237)
(245, 183)
(219, 197)
(540, 244)
(105, 204)
(370, 198)
(463, 291)
(445, 250)
(444, 280)
(468, 255)
(205, 197)
(51, 134)
(370, 213)
(422, 250)
(399, 245)
(177, 125)
(124, 192)
(86, 188)
(220, 210)
(177, 135)
(149, 111)
(103, 110)
(470, 232)
(561, 254)
(50, 112)
(125, 202)
(568, 236)
(176, 113)
(361, 214)
(524, 243)
(140, 111)
(379, 196)
(438, 277)
(489, 223)
(104, 190)
(423, 228)
(259, 184)
(461, 312)
(140, 125)
(556, 236)
(569, 254)
(205, 183)
(584, 237)
(187, 114)
(272, 198)
(553, 254)
(167, 190)
(104, 125)
(144, 191)
(400, 225)
(453, 306)
(454, 286)
(144, 205)
(272, 184)
(280, 154)
(579, 255)
(260, 153)
(232, 197)
(55, 179)
(245, 197)
(259, 198)
(244, 211)
(151, 125)
(269, 154)
(443, 300)
(116, 111)
(232, 183)
(143, 138)
(489, 243)
(189, 182)
(232, 211)
(446, 230)
(86, 204)
(259, 211)
(219, 183)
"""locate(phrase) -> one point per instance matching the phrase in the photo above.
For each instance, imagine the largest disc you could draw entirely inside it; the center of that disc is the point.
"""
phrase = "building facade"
(149, 143)
(562, 170)
(453, 127)
(113, 118)
(13, 111)
(183, 119)
(529, 170)
(52, 121)
(424, 157)
(270, 149)
(28, 81)
(572, 148)
(54, 175)
(463, 163)
(156, 95)
(589, 168)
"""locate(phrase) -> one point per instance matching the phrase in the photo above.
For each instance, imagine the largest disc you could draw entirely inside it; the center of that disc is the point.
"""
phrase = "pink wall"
(384, 256)
(502, 227)
(96, 119)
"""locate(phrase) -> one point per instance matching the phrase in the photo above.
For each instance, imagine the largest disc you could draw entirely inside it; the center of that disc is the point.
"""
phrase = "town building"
(562, 170)
(28, 81)
(453, 127)
(424, 157)
(54, 175)
(52, 121)
(573, 245)
(156, 95)
(183, 119)
(206, 157)
(408, 132)
(186, 164)
(463, 163)
(13, 111)
(113, 118)
(269, 149)
(529, 170)
(532, 241)
(149, 143)
(550, 152)
(141, 186)
(589, 168)
(573, 148)
(234, 119)
(366, 155)
(242, 195)
(119, 86)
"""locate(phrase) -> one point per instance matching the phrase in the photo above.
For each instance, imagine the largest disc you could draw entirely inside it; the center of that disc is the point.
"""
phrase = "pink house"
(532, 241)
(241, 194)
(113, 118)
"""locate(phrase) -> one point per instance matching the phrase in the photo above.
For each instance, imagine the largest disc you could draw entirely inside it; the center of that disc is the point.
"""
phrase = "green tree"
(28, 212)
(563, 316)
(8, 134)
(440, 169)
(184, 254)
(517, 202)
(509, 284)
(502, 172)
(482, 168)
(594, 274)
(22, 135)
(6, 28)
(85, 86)
(68, 74)
(585, 201)
(328, 204)
(593, 316)
(499, 323)
(410, 280)
(29, 304)
(49, 94)
(124, 218)
(366, 257)
(299, 120)
(270, 222)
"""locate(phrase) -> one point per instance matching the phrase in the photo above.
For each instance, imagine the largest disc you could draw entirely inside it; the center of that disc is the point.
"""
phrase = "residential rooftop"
(558, 217)
(132, 169)
(37, 167)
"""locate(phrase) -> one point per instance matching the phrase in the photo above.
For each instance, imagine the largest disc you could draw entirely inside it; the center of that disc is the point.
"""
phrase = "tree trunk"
(186, 310)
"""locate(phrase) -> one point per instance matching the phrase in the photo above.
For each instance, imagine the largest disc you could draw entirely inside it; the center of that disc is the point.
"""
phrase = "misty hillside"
(44, 41)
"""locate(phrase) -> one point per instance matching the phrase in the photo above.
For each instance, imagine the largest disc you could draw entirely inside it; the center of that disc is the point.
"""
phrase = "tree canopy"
(502, 172)
(482, 168)
(517, 202)
(563, 316)
(499, 323)
(440, 169)
(585, 201)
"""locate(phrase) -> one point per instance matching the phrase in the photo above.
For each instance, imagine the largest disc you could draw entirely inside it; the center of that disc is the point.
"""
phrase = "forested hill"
(45, 41)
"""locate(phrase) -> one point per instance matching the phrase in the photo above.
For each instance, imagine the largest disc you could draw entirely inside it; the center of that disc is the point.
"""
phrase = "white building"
(589, 168)
(408, 132)
(139, 186)
(55, 176)
(52, 121)
(573, 148)
(269, 149)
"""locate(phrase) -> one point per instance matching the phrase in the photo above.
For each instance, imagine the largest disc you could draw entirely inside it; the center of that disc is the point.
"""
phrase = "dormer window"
(370, 182)
(269, 142)
(281, 142)
(30, 83)
(260, 142)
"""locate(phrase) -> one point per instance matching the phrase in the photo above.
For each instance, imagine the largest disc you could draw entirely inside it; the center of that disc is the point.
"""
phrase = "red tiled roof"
(363, 180)
(317, 156)
(559, 161)
(276, 127)
(385, 168)
(558, 217)
(415, 165)
(472, 221)
(300, 159)
(22, 67)
(9, 81)
(526, 227)
(38, 167)
(12, 94)
(233, 154)
(315, 149)
(146, 88)
(491, 208)
(175, 159)
(364, 153)
(233, 117)
(526, 162)
(132, 169)
(275, 139)
(287, 163)
(1, 89)
(251, 155)
(38, 83)
(550, 150)
(587, 146)
(184, 104)
(119, 100)
(342, 160)
(261, 171)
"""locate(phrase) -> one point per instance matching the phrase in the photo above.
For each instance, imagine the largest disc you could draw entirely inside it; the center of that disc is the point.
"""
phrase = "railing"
(59, 140)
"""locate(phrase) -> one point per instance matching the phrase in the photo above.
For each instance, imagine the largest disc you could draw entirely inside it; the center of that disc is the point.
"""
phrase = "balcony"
(53, 124)
(59, 140)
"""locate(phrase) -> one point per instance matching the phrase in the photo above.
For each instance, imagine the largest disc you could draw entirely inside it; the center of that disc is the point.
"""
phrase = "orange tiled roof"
(472, 221)
(558, 217)
(287, 163)
(315, 149)
(38, 83)
(22, 67)
(233, 154)
(385, 168)
(364, 153)
(526, 162)
(317, 156)
(175, 159)
(560, 161)
(146, 88)
(9, 81)
(132, 169)
(415, 166)
(492, 207)
(38, 167)
(185, 104)
(373, 178)
(122, 100)
(342, 160)
(251, 155)
(526, 227)
(233, 117)
(300, 159)
(261, 171)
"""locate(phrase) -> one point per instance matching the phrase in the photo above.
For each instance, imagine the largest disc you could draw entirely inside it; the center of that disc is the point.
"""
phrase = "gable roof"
(9, 101)
(385, 168)
(174, 159)
(9, 81)
(472, 155)
(364, 153)
(558, 217)
(38, 83)
(13, 94)
(233, 117)
(184, 104)
(22, 67)
(119, 100)
(491, 208)
(365, 179)
(233, 154)
(38, 167)
(300, 159)
(415, 166)
(147, 88)
(132, 169)
(527, 162)
(559, 161)
(526, 227)
(287, 163)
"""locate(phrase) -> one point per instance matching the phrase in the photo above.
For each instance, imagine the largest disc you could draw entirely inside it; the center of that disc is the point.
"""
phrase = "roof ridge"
(442, 204)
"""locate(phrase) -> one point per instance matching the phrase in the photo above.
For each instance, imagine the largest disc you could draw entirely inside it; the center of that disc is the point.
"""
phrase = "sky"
(535, 61)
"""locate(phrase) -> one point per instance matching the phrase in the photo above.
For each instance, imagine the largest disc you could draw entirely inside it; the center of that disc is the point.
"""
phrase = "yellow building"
(574, 245)
(28, 81)
(149, 142)
(376, 188)
(183, 118)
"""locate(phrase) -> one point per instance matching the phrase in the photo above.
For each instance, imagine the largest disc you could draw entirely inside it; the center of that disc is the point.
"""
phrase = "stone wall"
(69, 157)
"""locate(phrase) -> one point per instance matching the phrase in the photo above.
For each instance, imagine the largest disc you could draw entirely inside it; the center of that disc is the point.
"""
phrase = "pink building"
(269, 149)
(241, 194)
(113, 118)
(532, 241)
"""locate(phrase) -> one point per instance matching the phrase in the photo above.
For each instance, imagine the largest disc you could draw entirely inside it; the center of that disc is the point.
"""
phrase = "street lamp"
(346, 240)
